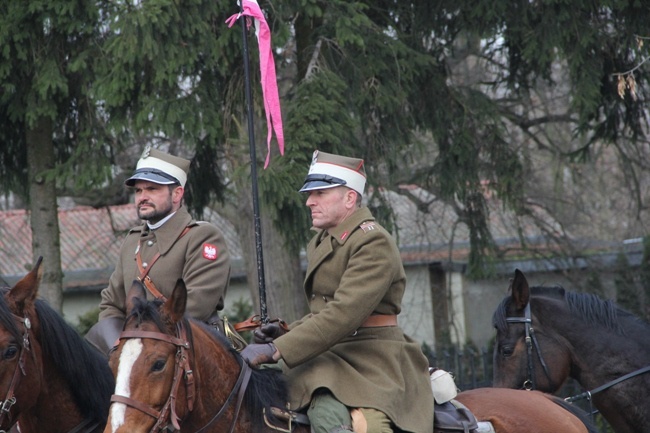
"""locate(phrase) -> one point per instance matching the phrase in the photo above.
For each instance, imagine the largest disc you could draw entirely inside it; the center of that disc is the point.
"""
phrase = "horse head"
(526, 353)
(154, 387)
(20, 363)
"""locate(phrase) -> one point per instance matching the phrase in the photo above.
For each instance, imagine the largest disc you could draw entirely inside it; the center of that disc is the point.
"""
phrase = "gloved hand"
(257, 354)
(267, 333)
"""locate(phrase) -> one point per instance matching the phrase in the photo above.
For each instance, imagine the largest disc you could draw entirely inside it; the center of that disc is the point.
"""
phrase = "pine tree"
(49, 124)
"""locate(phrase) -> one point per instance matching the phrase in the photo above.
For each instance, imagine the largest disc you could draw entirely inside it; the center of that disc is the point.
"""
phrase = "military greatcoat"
(200, 257)
(354, 270)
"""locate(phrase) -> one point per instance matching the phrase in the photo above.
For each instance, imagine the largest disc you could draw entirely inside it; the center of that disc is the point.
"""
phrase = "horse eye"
(507, 351)
(158, 365)
(10, 352)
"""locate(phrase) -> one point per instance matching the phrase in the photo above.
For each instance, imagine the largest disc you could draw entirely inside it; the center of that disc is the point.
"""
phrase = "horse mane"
(267, 387)
(589, 307)
(78, 362)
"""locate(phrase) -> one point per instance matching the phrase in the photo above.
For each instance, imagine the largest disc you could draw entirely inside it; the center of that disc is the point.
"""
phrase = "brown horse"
(51, 380)
(173, 372)
(547, 334)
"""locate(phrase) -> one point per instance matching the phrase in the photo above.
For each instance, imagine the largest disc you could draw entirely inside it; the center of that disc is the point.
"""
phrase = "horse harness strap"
(238, 389)
(588, 394)
(86, 425)
(182, 369)
(144, 270)
(10, 398)
(531, 340)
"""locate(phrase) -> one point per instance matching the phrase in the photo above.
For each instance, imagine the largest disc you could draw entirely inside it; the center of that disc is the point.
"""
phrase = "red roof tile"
(90, 238)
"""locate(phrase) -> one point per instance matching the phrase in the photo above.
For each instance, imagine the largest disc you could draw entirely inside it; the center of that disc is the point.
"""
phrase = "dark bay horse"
(51, 380)
(547, 334)
(174, 373)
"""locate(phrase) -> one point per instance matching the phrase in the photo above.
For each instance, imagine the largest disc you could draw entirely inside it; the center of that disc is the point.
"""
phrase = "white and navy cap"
(329, 171)
(160, 167)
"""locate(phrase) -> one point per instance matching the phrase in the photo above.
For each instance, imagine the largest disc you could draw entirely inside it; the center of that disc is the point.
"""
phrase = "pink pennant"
(267, 70)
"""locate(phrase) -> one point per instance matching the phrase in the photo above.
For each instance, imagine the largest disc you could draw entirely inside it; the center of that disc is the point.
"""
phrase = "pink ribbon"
(267, 71)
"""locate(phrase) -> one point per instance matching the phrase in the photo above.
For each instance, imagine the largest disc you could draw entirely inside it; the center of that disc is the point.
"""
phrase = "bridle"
(183, 370)
(87, 425)
(10, 398)
(531, 341)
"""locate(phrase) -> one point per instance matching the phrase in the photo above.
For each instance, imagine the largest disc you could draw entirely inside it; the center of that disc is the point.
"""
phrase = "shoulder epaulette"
(135, 229)
(367, 226)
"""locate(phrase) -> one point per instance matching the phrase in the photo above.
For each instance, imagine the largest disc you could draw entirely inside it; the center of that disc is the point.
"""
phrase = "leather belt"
(378, 320)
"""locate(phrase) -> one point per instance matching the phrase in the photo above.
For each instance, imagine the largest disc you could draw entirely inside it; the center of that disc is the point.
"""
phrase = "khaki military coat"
(200, 257)
(355, 271)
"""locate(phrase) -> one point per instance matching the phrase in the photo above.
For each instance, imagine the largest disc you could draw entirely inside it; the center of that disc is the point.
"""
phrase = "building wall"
(78, 303)
(416, 318)
(471, 307)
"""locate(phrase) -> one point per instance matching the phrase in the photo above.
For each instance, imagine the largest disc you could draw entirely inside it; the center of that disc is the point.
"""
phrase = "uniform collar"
(167, 234)
(343, 231)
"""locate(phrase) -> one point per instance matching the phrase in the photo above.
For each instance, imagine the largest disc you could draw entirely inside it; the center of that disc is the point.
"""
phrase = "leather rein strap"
(144, 271)
(588, 394)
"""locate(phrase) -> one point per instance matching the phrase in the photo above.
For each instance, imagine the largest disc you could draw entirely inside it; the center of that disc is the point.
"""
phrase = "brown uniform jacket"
(200, 257)
(355, 271)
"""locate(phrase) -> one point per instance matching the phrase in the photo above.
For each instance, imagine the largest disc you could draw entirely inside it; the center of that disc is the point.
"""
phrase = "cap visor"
(318, 184)
(150, 177)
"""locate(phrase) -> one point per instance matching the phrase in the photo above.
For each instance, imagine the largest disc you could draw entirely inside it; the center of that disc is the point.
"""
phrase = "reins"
(588, 394)
(240, 390)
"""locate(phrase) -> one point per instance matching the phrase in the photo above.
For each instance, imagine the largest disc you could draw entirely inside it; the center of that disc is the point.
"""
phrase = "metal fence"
(472, 368)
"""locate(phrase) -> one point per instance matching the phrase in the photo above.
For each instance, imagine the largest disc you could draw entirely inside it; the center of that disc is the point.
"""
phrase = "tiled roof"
(90, 240)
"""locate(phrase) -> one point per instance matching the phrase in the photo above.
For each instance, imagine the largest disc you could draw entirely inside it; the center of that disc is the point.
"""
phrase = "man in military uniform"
(168, 246)
(348, 359)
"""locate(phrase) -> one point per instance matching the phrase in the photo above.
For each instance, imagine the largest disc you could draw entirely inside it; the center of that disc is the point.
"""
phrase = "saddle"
(450, 415)
(453, 417)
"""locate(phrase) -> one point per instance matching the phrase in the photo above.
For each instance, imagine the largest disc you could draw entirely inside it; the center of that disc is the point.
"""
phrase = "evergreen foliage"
(46, 71)
(370, 79)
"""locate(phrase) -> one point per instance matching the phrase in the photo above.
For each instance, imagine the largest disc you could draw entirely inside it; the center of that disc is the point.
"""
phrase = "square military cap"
(329, 171)
(161, 168)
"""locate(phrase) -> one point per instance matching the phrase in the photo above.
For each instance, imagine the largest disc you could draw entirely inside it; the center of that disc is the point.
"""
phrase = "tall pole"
(256, 203)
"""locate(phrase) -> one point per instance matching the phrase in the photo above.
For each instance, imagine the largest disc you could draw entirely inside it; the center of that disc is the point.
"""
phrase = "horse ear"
(174, 307)
(520, 290)
(136, 291)
(26, 290)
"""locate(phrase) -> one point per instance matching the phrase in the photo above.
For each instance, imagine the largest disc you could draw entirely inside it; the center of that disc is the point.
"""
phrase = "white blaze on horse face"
(130, 353)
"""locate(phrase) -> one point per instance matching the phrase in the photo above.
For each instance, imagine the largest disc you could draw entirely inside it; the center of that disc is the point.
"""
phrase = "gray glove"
(269, 332)
(258, 354)
(104, 334)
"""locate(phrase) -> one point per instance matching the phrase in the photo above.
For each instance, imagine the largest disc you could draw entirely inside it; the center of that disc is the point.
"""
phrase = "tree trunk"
(44, 211)
(283, 275)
